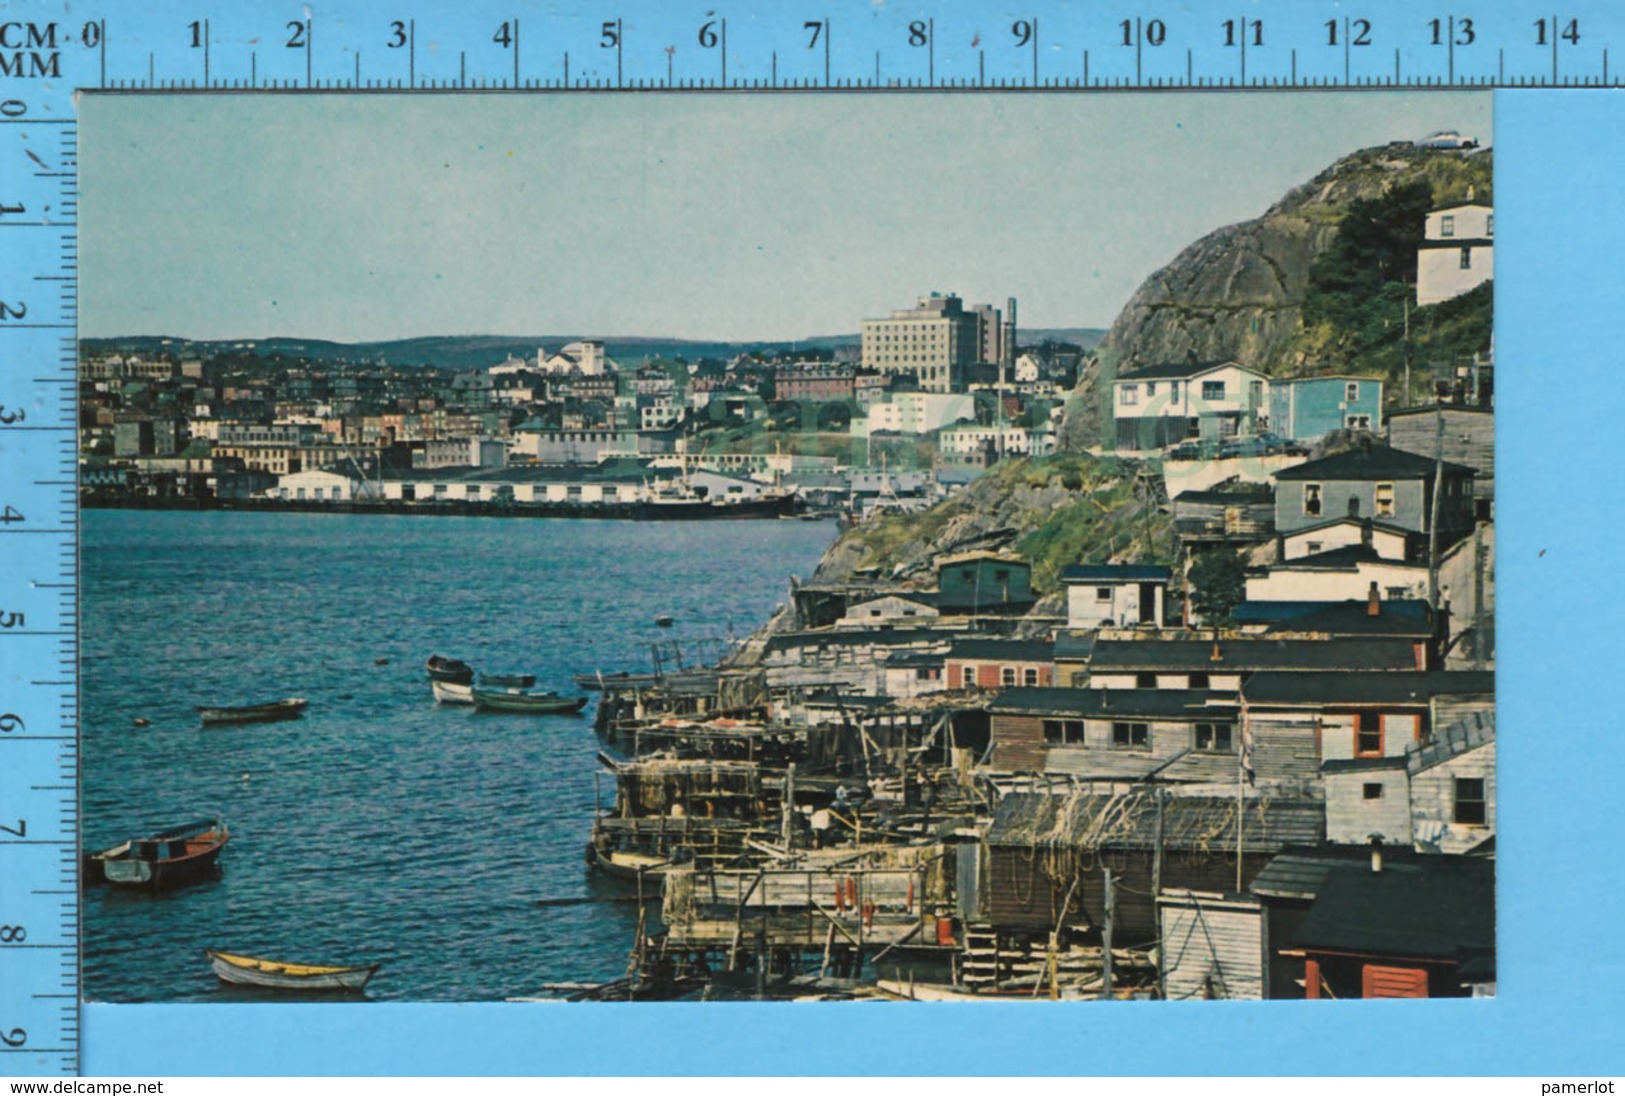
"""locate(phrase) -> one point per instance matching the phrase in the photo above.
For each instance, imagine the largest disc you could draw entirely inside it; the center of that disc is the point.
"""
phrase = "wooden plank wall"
(1285, 749)
(1020, 894)
(1433, 800)
(1212, 950)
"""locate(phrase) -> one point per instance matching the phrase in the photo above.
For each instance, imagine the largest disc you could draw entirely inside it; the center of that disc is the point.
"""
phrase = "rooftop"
(1347, 557)
(1129, 821)
(988, 554)
(1396, 617)
(1240, 494)
(1178, 370)
(1107, 703)
(1345, 688)
(1074, 644)
(1116, 572)
(1446, 408)
(1364, 523)
(1189, 767)
(1017, 650)
(1368, 462)
(1361, 764)
(1472, 731)
(611, 471)
(857, 637)
(1299, 873)
(1439, 907)
(1237, 654)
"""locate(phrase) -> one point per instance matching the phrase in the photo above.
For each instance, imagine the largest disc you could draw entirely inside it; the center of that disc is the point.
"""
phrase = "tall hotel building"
(936, 340)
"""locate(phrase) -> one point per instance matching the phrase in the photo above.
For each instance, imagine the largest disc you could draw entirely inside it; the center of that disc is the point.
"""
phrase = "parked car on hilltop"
(1447, 138)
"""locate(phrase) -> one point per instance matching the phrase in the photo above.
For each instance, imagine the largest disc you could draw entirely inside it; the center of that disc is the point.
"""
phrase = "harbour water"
(380, 827)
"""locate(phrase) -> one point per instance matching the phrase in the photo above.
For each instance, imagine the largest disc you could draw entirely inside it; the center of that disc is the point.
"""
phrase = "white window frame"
(1384, 508)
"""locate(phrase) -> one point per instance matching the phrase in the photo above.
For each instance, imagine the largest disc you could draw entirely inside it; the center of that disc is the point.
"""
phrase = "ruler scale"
(362, 47)
(39, 756)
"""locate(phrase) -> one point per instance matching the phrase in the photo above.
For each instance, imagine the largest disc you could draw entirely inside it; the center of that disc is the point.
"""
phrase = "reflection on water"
(380, 827)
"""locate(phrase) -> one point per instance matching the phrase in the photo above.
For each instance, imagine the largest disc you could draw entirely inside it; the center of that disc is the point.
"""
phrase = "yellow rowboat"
(244, 970)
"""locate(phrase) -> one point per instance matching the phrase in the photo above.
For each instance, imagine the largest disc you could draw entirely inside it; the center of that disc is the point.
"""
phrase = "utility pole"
(1433, 515)
(1106, 939)
(1407, 400)
(1156, 892)
(789, 801)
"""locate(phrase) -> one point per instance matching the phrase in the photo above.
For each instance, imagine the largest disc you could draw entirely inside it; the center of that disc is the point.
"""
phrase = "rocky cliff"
(1048, 509)
(1238, 293)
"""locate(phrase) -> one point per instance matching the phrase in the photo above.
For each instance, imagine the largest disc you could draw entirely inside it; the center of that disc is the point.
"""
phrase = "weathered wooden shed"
(1464, 435)
(1164, 734)
(1212, 946)
(1367, 797)
(1403, 931)
(1452, 786)
(1417, 919)
(1046, 855)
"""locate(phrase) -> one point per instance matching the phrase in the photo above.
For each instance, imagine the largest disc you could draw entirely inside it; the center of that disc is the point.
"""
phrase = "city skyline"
(727, 218)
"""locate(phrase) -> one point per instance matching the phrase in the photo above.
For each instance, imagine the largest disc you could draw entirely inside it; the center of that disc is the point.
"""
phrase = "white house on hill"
(1457, 252)
(1164, 405)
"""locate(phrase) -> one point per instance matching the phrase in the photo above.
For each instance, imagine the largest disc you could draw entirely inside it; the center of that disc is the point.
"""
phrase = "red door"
(1393, 981)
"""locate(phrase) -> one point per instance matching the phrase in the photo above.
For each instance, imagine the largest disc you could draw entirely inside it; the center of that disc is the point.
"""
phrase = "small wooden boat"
(450, 692)
(488, 699)
(291, 708)
(245, 970)
(664, 621)
(170, 858)
(627, 865)
(454, 670)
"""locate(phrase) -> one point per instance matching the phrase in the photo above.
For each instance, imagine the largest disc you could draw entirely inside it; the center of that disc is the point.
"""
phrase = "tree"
(1371, 259)
(1218, 581)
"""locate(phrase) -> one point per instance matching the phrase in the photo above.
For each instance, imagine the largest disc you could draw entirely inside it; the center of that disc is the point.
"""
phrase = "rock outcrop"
(1237, 293)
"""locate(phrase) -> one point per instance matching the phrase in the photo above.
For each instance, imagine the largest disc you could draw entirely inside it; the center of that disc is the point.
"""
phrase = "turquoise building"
(1308, 408)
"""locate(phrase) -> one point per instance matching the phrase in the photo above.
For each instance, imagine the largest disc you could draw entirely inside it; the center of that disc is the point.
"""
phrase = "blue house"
(1308, 408)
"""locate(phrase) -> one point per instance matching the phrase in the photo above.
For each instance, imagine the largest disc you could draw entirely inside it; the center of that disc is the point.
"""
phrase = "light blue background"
(1560, 160)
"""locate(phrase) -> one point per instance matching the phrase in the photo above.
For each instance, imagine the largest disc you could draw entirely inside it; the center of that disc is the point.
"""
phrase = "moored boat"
(169, 858)
(290, 708)
(450, 692)
(626, 865)
(487, 699)
(454, 670)
(246, 970)
(508, 681)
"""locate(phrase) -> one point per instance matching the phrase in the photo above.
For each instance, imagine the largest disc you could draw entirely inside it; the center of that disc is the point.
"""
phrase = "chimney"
(1217, 655)
(1007, 337)
(1376, 853)
(1373, 604)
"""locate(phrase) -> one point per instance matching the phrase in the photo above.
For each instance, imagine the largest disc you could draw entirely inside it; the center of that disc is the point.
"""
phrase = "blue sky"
(703, 216)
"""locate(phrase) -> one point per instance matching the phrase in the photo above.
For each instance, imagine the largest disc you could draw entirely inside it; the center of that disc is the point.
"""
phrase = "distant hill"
(1086, 337)
(458, 352)
(465, 352)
